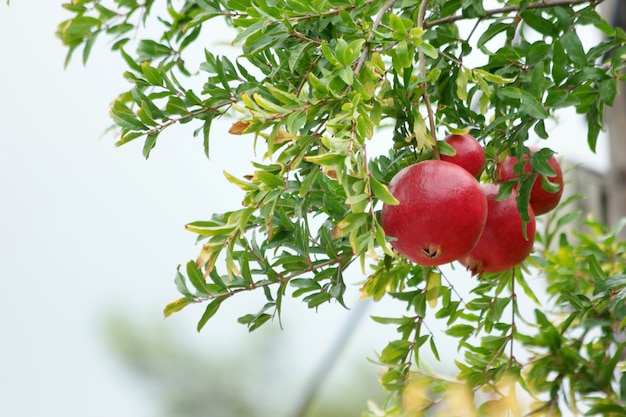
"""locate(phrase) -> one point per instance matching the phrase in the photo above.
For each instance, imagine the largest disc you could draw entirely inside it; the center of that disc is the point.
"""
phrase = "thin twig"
(366, 49)
(509, 9)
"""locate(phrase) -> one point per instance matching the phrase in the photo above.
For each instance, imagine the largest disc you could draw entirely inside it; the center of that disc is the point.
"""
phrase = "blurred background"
(90, 237)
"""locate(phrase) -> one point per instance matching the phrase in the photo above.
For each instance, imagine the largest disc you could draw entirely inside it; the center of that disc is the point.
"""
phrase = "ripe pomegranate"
(502, 244)
(542, 200)
(441, 214)
(469, 153)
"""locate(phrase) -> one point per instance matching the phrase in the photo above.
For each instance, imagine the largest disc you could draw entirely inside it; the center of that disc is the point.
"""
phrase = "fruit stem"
(431, 116)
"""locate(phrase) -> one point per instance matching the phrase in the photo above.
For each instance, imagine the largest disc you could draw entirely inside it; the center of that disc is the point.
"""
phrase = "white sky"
(86, 228)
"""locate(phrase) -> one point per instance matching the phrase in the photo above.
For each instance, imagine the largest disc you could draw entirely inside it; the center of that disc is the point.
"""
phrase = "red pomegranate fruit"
(469, 153)
(441, 214)
(541, 199)
(502, 244)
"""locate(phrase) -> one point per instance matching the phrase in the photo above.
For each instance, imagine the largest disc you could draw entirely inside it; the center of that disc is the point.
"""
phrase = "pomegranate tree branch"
(431, 116)
(509, 9)
(366, 48)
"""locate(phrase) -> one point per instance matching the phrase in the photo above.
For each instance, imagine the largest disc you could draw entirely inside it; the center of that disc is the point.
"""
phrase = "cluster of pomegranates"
(446, 215)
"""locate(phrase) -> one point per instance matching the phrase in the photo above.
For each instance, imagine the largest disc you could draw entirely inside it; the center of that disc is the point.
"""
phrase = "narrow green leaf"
(210, 311)
(532, 106)
(124, 117)
(608, 91)
(181, 284)
(539, 162)
(595, 269)
(612, 283)
(206, 131)
(490, 32)
(329, 55)
(460, 330)
(433, 349)
(197, 278)
(461, 84)
(153, 75)
(428, 50)
(574, 48)
(401, 57)
(149, 144)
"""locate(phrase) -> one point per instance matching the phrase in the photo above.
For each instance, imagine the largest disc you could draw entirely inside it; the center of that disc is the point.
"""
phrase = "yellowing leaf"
(423, 139)
(239, 127)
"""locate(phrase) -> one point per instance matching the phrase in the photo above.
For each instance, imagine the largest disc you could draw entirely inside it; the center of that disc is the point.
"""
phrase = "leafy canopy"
(317, 82)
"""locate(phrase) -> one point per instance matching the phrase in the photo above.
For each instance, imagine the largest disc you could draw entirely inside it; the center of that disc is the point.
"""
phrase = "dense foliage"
(316, 82)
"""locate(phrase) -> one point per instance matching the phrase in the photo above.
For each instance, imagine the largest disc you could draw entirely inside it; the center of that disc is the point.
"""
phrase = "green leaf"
(595, 269)
(433, 349)
(490, 32)
(149, 49)
(381, 192)
(395, 351)
(209, 312)
(532, 106)
(196, 278)
(608, 91)
(124, 117)
(317, 299)
(317, 84)
(428, 50)
(535, 20)
(329, 55)
(461, 84)
(153, 75)
(400, 32)
(297, 55)
(461, 330)
(149, 144)
(445, 148)
(505, 189)
(612, 283)
(492, 78)
(401, 57)
(539, 162)
(176, 105)
(574, 48)
(206, 131)
(614, 410)
(181, 284)
(72, 32)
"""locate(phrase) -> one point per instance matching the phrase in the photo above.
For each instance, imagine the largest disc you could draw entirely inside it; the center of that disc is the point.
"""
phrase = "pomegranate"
(502, 244)
(469, 153)
(541, 200)
(441, 214)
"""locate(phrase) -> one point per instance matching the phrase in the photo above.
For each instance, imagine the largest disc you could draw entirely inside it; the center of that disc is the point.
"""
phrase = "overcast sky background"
(87, 229)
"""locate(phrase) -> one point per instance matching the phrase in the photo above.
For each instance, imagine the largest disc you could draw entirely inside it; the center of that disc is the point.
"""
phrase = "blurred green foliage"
(185, 380)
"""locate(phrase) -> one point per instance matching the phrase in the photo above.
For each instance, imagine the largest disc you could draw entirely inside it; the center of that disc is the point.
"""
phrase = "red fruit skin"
(502, 244)
(542, 201)
(441, 214)
(469, 153)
